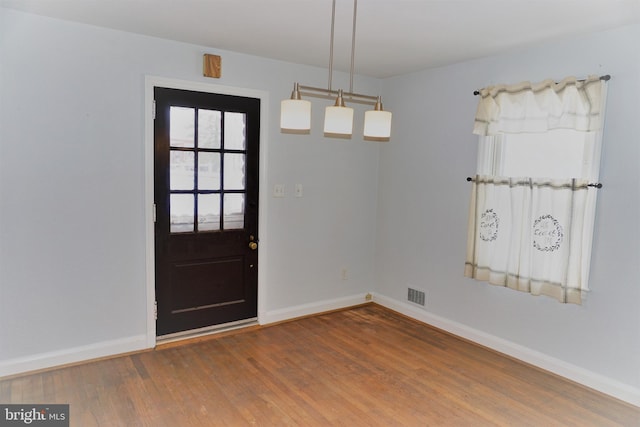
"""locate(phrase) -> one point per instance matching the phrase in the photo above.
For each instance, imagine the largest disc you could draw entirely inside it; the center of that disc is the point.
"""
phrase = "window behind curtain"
(532, 213)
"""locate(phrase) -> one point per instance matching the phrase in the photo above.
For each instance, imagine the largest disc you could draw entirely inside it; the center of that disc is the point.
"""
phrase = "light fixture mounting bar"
(318, 92)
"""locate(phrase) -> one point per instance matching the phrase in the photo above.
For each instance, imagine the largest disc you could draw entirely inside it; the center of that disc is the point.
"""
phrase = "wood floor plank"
(366, 366)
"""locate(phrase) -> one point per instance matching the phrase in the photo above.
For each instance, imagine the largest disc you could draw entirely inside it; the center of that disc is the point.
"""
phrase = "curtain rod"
(596, 185)
(606, 77)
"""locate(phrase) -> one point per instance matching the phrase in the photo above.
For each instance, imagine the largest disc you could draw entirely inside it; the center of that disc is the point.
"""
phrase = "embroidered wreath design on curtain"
(489, 223)
(547, 234)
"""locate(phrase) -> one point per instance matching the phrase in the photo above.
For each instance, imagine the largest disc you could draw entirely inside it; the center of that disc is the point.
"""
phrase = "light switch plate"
(298, 190)
(278, 190)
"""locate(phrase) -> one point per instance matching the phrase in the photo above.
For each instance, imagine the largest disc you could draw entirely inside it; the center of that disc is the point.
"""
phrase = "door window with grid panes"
(206, 169)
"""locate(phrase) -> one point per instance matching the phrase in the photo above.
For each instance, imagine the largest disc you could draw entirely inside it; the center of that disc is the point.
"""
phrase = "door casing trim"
(155, 81)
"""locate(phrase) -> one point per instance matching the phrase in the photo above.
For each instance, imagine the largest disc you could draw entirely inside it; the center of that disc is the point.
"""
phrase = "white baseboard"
(580, 375)
(72, 355)
(308, 309)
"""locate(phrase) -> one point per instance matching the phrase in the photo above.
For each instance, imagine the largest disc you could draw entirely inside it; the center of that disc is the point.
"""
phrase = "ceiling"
(393, 37)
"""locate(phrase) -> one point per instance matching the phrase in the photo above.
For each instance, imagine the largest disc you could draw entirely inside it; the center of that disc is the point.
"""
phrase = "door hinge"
(153, 109)
(155, 310)
(154, 213)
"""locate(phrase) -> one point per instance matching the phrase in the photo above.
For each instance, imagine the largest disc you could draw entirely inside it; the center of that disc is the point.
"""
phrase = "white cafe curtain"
(534, 234)
(528, 234)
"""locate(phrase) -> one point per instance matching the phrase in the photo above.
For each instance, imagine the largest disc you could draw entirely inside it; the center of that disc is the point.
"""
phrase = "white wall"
(424, 199)
(72, 170)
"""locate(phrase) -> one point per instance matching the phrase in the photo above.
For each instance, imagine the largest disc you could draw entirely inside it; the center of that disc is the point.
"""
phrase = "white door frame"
(150, 83)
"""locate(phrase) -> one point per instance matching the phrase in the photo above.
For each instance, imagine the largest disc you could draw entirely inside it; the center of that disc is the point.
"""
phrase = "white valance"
(526, 107)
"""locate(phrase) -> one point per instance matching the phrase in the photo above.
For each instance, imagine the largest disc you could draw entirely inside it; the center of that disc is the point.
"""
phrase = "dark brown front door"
(206, 195)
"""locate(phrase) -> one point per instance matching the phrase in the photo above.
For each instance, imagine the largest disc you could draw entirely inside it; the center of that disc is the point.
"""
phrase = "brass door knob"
(253, 246)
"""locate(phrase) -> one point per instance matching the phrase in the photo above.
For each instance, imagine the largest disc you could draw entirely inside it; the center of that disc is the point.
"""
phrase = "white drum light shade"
(377, 124)
(295, 114)
(338, 119)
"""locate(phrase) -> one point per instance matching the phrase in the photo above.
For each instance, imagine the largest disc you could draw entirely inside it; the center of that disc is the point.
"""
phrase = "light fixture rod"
(353, 44)
(333, 22)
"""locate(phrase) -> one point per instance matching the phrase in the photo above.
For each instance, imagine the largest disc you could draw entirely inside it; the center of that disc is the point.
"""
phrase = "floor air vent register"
(416, 296)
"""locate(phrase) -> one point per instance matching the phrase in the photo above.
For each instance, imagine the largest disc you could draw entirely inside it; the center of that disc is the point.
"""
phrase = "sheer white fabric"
(527, 107)
(528, 234)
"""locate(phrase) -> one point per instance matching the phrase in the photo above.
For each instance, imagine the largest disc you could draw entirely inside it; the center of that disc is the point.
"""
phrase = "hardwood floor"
(365, 366)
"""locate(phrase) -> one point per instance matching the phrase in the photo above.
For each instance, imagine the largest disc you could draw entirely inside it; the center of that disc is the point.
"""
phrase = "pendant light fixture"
(295, 113)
